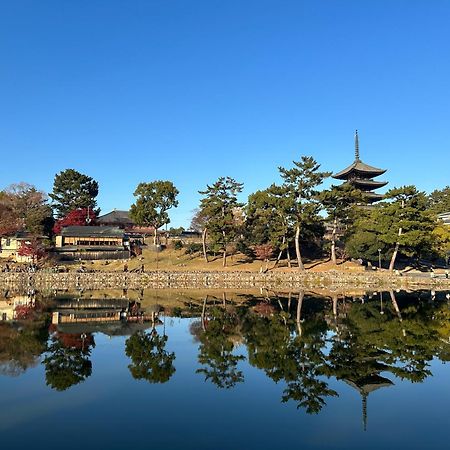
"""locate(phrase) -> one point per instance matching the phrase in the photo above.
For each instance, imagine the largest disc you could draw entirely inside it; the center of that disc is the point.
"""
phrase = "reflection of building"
(109, 316)
(365, 386)
(92, 242)
(361, 176)
(10, 308)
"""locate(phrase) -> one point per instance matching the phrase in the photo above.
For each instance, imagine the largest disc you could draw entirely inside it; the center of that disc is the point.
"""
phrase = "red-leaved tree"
(78, 217)
(264, 253)
(33, 248)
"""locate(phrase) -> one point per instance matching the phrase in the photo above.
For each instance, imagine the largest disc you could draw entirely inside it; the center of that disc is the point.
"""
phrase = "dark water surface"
(234, 370)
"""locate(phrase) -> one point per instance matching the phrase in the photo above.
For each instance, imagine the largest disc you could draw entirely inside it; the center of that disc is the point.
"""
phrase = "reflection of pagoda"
(365, 386)
(361, 175)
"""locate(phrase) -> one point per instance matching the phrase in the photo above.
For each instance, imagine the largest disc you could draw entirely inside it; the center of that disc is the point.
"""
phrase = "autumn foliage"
(77, 217)
(34, 248)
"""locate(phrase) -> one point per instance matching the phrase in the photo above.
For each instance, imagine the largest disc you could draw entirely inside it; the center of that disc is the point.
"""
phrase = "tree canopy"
(73, 190)
(153, 201)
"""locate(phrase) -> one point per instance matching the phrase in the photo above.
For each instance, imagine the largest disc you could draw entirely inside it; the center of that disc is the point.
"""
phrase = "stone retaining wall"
(42, 281)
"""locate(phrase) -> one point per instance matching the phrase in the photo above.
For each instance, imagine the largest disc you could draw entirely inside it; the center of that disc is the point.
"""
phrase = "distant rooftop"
(116, 216)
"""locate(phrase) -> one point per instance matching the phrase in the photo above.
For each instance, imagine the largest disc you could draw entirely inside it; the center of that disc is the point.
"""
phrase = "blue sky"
(190, 90)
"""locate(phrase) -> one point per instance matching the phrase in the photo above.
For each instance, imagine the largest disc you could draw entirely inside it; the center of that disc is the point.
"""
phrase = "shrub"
(178, 245)
(193, 248)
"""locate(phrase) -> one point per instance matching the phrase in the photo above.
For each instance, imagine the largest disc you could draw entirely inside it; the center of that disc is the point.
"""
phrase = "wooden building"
(361, 176)
(10, 246)
(92, 242)
(121, 219)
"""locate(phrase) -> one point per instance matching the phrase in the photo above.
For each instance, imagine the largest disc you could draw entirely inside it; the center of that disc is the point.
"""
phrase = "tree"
(219, 207)
(401, 225)
(23, 207)
(153, 202)
(363, 237)
(301, 184)
(441, 240)
(66, 366)
(199, 224)
(73, 190)
(439, 201)
(150, 360)
(339, 202)
(32, 248)
(264, 253)
(265, 222)
(78, 217)
(407, 213)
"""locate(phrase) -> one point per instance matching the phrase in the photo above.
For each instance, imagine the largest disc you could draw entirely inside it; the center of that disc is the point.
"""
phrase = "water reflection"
(149, 358)
(67, 360)
(304, 342)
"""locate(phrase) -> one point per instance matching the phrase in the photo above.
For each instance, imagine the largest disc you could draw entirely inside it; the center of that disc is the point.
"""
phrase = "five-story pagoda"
(361, 176)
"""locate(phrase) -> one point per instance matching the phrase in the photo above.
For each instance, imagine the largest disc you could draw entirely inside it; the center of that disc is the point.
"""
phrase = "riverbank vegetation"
(284, 225)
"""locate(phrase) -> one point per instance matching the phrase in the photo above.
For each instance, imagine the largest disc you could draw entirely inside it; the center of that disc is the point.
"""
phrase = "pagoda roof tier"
(373, 197)
(367, 183)
(359, 169)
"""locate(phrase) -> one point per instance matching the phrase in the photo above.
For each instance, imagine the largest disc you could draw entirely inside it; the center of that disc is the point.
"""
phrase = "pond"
(225, 370)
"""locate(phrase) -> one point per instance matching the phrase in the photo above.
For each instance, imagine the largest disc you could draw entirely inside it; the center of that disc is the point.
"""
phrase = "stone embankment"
(44, 281)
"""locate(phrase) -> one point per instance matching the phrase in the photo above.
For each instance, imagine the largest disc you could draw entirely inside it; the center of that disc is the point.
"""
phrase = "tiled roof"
(359, 167)
(116, 216)
(92, 231)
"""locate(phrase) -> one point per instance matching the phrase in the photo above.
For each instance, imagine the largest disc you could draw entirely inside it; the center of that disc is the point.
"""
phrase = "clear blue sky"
(190, 90)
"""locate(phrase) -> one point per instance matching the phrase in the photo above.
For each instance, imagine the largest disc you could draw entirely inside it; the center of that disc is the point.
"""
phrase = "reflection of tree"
(398, 340)
(66, 366)
(21, 347)
(306, 384)
(299, 360)
(216, 350)
(149, 359)
(403, 347)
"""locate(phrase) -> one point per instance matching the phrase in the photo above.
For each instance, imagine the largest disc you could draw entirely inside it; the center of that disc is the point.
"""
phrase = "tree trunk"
(395, 305)
(397, 310)
(280, 254)
(301, 294)
(335, 302)
(224, 260)
(205, 255)
(203, 313)
(333, 243)
(297, 249)
(394, 255)
(288, 256)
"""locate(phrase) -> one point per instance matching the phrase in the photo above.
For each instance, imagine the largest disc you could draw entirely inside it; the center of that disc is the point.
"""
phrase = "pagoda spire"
(356, 146)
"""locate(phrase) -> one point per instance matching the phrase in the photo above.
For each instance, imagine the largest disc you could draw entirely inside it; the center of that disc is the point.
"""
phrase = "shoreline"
(43, 281)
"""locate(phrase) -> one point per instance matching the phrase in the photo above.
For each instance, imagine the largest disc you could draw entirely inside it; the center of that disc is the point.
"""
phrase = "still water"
(225, 370)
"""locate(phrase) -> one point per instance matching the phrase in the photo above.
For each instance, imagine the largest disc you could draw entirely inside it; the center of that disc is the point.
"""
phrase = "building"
(361, 176)
(116, 218)
(445, 217)
(92, 242)
(122, 219)
(10, 246)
